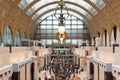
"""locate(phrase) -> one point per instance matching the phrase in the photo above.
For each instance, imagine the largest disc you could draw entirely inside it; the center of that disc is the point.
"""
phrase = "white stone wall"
(9, 58)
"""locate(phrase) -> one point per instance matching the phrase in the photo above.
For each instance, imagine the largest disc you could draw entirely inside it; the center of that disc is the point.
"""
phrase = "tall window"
(0, 40)
(98, 34)
(75, 29)
(17, 41)
(115, 33)
(7, 39)
(30, 37)
(24, 36)
(105, 37)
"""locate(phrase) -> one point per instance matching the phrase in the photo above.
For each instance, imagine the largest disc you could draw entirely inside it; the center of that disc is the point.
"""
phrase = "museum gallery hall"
(59, 39)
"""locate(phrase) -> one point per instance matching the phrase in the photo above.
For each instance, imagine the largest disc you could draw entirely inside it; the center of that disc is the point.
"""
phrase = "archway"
(7, 38)
(98, 34)
(105, 38)
(17, 41)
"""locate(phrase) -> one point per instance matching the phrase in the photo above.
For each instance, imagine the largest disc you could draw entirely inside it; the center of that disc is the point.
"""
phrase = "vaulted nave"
(59, 40)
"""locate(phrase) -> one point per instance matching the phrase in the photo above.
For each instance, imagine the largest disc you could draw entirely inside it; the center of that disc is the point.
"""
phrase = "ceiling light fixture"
(61, 18)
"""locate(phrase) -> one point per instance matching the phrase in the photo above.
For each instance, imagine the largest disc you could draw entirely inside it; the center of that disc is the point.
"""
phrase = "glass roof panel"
(50, 13)
(88, 16)
(39, 4)
(99, 3)
(76, 8)
(43, 10)
(24, 3)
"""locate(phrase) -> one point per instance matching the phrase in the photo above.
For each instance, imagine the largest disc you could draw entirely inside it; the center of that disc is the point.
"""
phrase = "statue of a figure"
(93, 42)
(87, 42)
(98, 42)
(112, 42)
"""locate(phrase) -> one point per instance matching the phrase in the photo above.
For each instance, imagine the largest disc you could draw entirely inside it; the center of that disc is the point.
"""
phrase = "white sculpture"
(98, 42)
(112, 42)
(87, 42)
(2, 44)
(93, 42)
(80, 43)
(8, 41)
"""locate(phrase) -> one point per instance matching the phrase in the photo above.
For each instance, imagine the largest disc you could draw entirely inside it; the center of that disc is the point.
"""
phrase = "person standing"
(45, 77)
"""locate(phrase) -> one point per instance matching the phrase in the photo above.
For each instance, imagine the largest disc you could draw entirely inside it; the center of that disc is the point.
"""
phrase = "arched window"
(0, 41)
(105, 32)
(98, 34)
(17, 41)
(115, 33)
(74, 27)
(24, 36)
(29, 37)
(7, 39)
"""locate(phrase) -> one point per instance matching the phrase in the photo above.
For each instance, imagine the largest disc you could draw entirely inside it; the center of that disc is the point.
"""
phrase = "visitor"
(52, 78)
(45, 77)
(39, 78)
(77, 78)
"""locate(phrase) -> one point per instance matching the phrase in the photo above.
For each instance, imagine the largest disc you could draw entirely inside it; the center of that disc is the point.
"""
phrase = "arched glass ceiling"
(24, 3)
(99, 3)
(51, 13)
(43, 2)
(55, 6)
